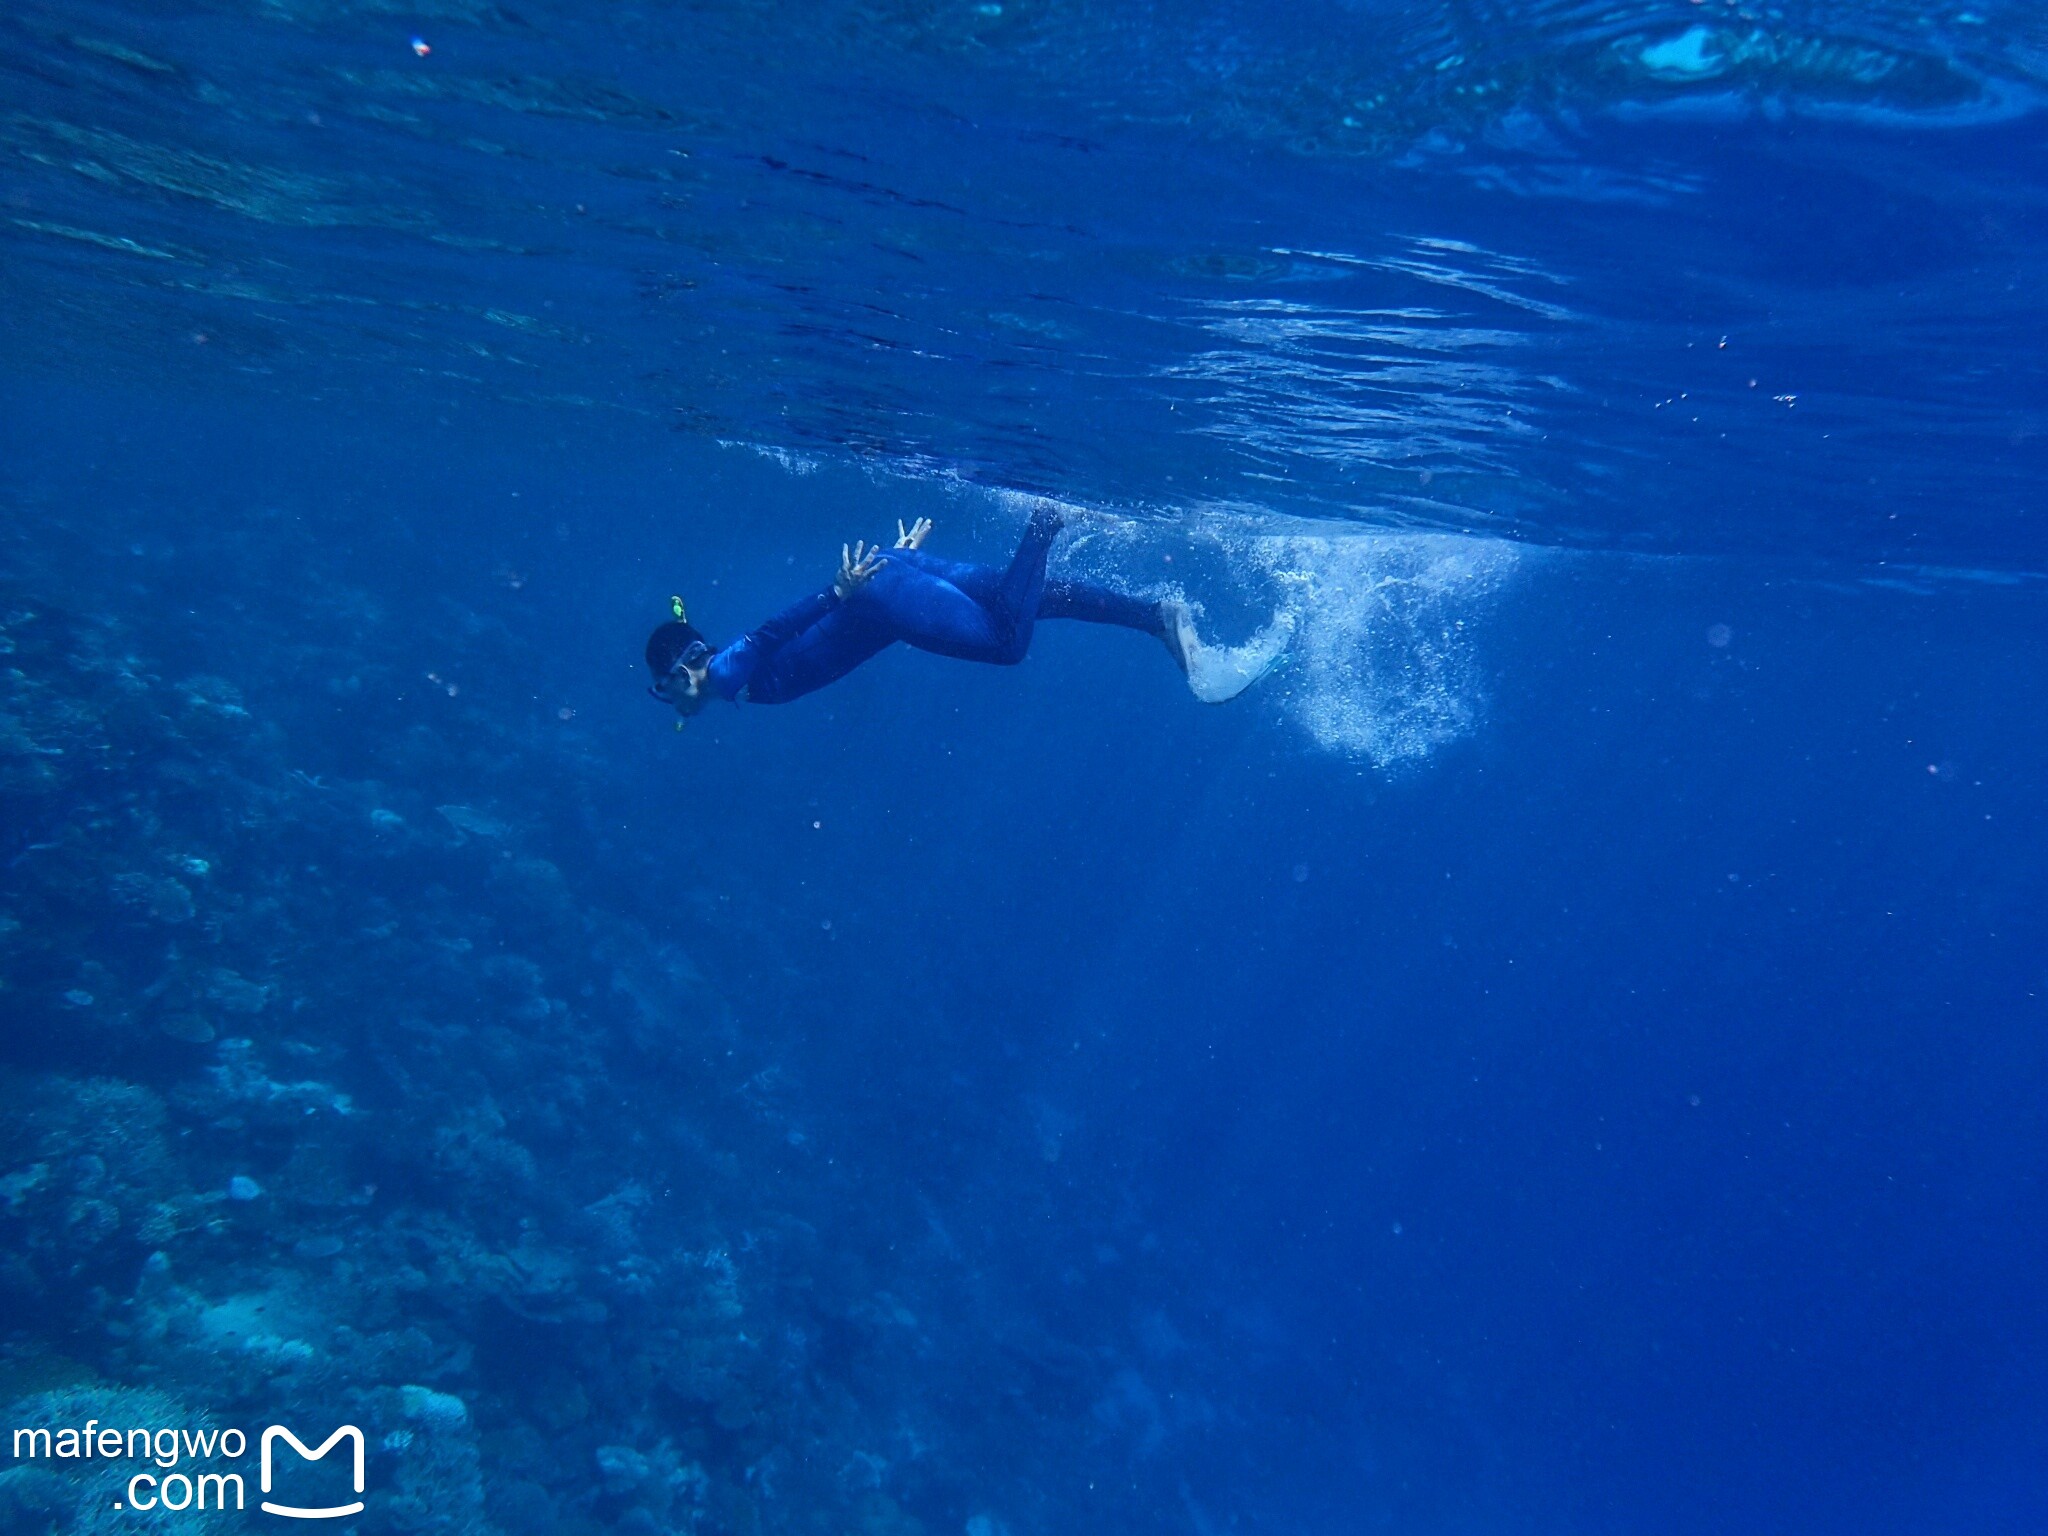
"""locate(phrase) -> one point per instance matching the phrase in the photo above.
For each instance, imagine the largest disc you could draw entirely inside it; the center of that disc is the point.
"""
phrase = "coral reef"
(330, 1097)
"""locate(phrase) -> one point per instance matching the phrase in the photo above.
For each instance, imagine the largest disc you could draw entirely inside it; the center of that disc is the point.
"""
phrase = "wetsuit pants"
(980, 613)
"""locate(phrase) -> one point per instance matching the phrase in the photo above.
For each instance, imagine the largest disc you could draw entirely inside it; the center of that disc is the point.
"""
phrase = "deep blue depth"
(1567, 1053)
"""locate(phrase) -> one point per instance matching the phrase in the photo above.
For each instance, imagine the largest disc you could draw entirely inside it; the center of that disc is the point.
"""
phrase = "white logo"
(279, 1432)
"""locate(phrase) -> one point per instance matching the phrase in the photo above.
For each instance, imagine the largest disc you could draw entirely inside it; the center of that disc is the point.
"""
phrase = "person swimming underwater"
(970, 612)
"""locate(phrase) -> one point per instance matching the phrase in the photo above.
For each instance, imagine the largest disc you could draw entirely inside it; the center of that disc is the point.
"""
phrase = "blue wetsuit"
(971, 612)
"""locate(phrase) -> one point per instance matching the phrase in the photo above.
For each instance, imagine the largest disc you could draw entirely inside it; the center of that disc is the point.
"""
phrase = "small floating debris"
(420, 48)
(242, 1187)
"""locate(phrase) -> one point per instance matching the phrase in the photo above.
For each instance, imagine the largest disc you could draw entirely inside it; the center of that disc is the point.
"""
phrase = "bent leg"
(929, 612)
(1091, 604)
(971, 613)
(966, 611)
(1023, 584)
(1061, 598)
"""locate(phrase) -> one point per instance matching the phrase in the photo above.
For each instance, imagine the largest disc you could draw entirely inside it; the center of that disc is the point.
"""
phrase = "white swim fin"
(1219, 673)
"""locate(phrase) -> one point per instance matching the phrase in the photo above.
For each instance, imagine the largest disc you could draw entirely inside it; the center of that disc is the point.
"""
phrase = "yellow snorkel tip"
(675, 606)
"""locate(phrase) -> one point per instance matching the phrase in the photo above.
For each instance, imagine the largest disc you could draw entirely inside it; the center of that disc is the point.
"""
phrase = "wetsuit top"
(800, 650)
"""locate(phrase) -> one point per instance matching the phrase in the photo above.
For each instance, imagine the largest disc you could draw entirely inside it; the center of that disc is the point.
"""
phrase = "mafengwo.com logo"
(175, 1470)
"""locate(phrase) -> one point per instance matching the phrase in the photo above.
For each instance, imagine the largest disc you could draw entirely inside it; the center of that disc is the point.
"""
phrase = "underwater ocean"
(1564, 1053)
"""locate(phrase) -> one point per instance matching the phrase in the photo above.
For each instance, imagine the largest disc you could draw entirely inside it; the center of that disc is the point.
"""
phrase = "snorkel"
(677, 655)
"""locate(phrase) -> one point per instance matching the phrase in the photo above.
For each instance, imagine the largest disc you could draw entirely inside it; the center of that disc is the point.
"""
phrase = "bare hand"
(913, 536)
(856, 565)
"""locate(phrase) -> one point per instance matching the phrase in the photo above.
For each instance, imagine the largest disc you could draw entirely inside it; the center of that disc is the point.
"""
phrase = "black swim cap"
(668, 642)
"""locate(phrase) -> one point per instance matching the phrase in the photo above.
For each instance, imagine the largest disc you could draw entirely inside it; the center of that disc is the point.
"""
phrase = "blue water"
(1565, 1053)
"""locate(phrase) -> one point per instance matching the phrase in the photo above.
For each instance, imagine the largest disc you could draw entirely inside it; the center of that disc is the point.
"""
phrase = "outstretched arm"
(734, 667)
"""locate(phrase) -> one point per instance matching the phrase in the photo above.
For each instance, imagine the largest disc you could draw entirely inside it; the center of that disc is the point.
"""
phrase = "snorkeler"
(970, 612)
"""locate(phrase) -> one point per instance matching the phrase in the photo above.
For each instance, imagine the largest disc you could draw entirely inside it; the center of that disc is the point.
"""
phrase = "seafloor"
(340, 1092)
